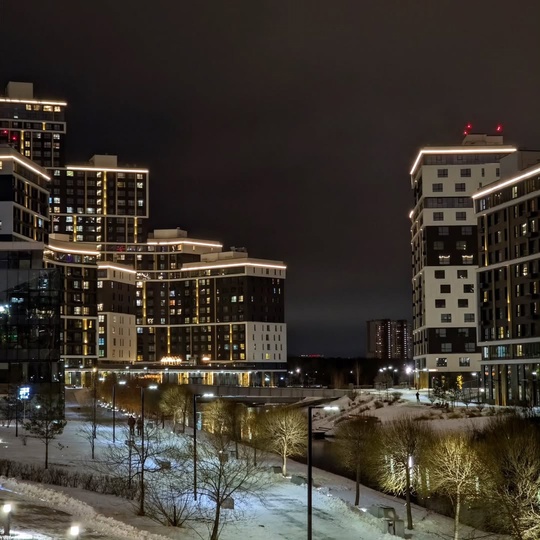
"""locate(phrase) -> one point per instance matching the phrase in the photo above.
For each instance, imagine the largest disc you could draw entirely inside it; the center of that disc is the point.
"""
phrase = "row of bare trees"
(496, 470)
(497, 467)
(230, 459)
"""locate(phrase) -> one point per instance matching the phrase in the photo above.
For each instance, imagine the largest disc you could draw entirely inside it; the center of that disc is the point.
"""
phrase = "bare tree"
(402, 442)
(177, 401)
(169, 492)
(226, 417)
(253, 430)
(353, 441)
(510, 454)
(222, 477)
(453, 468)
(137, 463)
(284, 431)
(47, 420)
(8, 408)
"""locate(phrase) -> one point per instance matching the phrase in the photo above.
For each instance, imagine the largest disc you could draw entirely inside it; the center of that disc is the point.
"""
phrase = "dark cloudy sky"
(286, 126)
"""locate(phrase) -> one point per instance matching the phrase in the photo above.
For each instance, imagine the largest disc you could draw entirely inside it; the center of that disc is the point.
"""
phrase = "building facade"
(35, 128)
(389, 340)
(509, 282)
(128, 295)
(445, 255)
(30, 294)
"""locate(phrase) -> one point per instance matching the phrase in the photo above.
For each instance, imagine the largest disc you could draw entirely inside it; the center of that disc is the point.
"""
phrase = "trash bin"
(388, 526)
(381, 511)
(399, 528)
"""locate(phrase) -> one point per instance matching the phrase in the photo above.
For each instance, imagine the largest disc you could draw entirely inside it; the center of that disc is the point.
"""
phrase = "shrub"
(378, 404)
(60, 477)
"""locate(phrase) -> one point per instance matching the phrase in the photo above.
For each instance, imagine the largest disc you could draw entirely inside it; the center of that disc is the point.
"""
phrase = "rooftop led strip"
(105, 169)
(217, 266)
(33, 169)
(462, 150)
(506, 183)
(119, 268)
(33, 102)
(189, 242)
(78, 251)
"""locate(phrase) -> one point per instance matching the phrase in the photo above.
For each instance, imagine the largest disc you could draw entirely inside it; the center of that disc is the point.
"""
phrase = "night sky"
(287, 127)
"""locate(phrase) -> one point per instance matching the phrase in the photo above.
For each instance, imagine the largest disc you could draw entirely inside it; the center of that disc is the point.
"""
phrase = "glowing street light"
(74, 531)
(6, 510)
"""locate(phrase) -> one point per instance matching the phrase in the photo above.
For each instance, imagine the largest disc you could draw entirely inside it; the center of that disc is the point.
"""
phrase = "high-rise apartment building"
(128, 296)
(445, 254)
(101, 202)
(509, 281)
(389, 339)
(36, 128)
(30, 295)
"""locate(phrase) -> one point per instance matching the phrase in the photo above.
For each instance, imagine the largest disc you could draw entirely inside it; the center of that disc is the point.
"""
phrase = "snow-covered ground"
(47, 512)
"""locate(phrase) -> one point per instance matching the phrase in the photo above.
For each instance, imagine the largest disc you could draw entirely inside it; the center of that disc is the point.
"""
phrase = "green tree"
(354, 439)
(46, 420)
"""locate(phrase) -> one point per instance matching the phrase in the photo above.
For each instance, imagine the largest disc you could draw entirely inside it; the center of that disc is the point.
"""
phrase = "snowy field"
(46, 512)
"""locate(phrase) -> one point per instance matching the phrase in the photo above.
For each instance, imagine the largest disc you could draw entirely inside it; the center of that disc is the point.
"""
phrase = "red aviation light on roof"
(467, 129)
(499, 128)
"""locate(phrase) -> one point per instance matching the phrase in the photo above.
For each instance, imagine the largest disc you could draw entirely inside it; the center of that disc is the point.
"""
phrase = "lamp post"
(310, 465)
(143, 452)
(114, 409)
(6, 510)
(17, 412)
(94, 410)
(195, 396)
(141, 505)
(408, 371)
(114, 413)
(23, 394)
(74, 532)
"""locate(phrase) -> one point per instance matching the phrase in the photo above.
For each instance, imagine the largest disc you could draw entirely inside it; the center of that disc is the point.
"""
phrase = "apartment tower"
(445, 255)
(389, 339)
(509, 282)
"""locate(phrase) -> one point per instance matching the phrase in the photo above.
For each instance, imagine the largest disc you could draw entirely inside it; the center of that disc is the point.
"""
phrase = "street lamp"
(23, 394)
(310, 464)
(408, 371)
(94, 410)
(195, 396)
(143, 454)
(6, 510)
(74, 531)
(114, 408)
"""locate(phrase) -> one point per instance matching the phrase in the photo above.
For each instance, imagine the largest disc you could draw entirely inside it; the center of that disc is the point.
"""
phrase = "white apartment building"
(444, 246)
